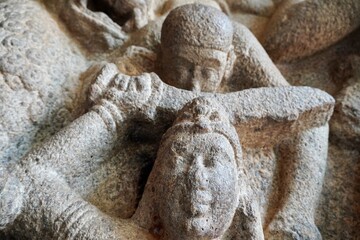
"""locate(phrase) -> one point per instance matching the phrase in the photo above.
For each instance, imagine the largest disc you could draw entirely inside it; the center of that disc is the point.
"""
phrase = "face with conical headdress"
(199, 175)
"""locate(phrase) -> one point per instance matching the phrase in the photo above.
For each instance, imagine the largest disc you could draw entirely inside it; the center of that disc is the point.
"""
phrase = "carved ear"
(229, 63)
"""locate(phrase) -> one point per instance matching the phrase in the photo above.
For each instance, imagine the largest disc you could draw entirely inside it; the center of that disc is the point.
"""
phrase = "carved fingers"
(101, 83)
(128, 94)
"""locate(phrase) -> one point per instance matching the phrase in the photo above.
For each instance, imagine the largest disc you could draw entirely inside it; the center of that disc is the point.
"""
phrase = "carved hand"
(129, 94)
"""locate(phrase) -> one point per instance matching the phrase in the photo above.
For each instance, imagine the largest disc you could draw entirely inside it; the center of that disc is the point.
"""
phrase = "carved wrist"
(110, 114)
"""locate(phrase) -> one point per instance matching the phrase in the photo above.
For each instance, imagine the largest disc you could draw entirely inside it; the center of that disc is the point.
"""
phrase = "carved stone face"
(194, 68)
(200, 188)
(196, 48)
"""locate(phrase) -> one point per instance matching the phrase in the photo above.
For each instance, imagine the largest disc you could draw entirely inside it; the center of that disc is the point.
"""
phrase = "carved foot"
(292, 229)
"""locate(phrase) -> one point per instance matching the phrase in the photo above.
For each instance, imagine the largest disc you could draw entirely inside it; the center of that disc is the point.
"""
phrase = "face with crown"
(200, 193)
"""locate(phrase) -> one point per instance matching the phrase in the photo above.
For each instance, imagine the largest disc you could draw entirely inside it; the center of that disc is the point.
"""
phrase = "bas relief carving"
(155, 119)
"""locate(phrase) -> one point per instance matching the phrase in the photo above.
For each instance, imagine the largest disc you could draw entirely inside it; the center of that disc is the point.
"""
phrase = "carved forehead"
(184, 142)
(202, 111)
(197, 25)
(202, 116)
(197, 55)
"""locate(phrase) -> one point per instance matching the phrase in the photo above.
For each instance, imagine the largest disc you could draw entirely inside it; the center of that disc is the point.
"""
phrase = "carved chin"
(202, 227)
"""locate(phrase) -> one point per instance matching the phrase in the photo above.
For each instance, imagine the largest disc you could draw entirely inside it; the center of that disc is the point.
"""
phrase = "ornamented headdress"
(201, 116)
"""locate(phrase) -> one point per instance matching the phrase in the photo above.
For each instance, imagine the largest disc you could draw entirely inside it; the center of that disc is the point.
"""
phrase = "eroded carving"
(259, 152)
(194, 185)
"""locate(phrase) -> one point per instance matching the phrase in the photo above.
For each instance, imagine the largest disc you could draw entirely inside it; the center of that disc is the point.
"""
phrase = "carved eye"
(209, 162)
(181, 76)
(181, 70)
(209, 74)
(205, 73)
(215, 117)
(210, 158)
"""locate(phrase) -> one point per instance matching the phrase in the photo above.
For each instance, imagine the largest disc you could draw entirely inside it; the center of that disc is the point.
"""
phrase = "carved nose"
(195, 85)
(196, 79)
(197, 174)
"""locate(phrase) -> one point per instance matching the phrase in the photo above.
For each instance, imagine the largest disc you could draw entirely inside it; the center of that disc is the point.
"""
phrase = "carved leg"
(303, 177)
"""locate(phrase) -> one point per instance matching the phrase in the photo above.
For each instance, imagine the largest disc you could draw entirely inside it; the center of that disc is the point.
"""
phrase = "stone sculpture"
(308, 41)
(199, 60)
(39, 76)
(196, 183)
(272, 142)
(34, 204)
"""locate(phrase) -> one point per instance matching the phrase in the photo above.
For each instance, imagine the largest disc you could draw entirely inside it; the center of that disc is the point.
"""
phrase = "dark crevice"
(102, 6)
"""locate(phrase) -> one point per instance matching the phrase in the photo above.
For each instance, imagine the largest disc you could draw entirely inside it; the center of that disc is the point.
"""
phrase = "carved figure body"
(198, 61)
(35, 94)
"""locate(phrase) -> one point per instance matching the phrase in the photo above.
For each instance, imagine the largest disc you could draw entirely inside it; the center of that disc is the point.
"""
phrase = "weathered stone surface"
(346, 122)
(39, 72)
(300, 28)
(182, 127)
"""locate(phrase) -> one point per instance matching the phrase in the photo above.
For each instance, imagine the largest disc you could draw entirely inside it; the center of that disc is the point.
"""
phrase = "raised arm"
(253, 66)
(93, 135)
(267, 115)
(263, 115)
(40, 187)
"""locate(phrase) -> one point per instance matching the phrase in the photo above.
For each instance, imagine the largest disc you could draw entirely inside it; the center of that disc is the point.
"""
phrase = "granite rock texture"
(39, 77)
(300, 28)
(146, 120)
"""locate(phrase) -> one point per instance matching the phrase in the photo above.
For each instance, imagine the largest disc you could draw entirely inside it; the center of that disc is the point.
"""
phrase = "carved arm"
(263, 115)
